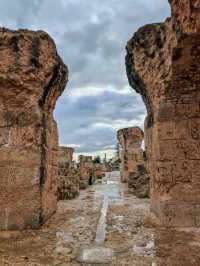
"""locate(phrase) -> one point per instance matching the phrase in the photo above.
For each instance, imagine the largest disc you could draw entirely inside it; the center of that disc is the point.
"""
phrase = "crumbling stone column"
(86, 171)
(99, 170)
(32, 77)
(68, 187)
(131, 153)
(163, 65)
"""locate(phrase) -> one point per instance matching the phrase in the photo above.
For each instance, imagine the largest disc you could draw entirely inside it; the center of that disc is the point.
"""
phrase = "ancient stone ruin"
(32, 77)
(68, 187)
(86, 171)
(163, 65)
(133, 164)
(131, 153)
(99, 170)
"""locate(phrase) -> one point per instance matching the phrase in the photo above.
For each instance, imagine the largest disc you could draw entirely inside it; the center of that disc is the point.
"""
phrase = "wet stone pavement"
(104, 226)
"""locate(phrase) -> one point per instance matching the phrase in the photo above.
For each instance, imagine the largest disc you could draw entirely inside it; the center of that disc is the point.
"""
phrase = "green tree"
(97, 159)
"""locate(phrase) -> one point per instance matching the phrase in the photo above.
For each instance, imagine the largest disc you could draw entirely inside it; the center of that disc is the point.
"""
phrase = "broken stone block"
(163, 65)
(32, 77)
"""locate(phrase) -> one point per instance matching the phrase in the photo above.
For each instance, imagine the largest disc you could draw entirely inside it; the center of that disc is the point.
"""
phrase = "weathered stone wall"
(106, 167)
(86, 171)
(163, 65)
(32, 77)
(99, 170)
(139, 181)
(68, 176)
(131, 153)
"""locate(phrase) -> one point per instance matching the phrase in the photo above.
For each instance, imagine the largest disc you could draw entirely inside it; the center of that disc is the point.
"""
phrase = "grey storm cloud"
(91, 36)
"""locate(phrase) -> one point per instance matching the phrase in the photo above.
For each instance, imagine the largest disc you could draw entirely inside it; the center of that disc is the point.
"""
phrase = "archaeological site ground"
(63, 206)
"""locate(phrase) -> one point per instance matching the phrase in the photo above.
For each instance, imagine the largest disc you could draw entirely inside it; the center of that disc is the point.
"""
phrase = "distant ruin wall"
(131, 153)
(163, 65)
(86, 171)
(32, 77)
(68, 185)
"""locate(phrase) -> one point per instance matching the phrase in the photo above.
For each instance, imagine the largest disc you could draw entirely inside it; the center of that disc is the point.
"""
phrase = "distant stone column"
(163, 65)
(68, 185)
(86, 170)
(131, 153)
(32, 77)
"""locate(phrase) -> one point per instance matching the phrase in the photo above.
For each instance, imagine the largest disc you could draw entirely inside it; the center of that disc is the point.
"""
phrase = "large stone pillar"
(32, 77)
(131, 153)
(86, 171)
(163, 65)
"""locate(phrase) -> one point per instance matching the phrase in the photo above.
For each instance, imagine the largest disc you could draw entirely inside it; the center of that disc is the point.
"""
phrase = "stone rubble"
(129, 235)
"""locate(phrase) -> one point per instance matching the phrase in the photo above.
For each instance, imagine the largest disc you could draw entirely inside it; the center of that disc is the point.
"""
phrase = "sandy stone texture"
(163, 65)
(68, 187)
(86, 169)
(32, 77)
(131, 153)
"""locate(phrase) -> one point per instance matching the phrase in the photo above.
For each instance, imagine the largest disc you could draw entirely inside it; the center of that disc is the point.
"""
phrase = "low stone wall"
(68, 175)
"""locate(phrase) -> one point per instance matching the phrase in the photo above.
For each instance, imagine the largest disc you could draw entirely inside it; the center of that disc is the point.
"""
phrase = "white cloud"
(118, 124)
(91, 37)
(88, 91)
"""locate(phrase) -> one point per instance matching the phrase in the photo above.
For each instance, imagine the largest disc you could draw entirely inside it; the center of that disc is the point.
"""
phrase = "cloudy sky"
(91, 36)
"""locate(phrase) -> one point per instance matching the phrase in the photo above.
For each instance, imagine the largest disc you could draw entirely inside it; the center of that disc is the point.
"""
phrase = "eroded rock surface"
(163, 65)
(68, 176)
(86, 171)
(131, 153)
(99, 170)
(32, 77)
(133, 164)
(139, 182)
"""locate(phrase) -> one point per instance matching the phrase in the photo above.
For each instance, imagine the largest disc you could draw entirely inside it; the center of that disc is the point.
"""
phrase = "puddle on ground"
(108, 192)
